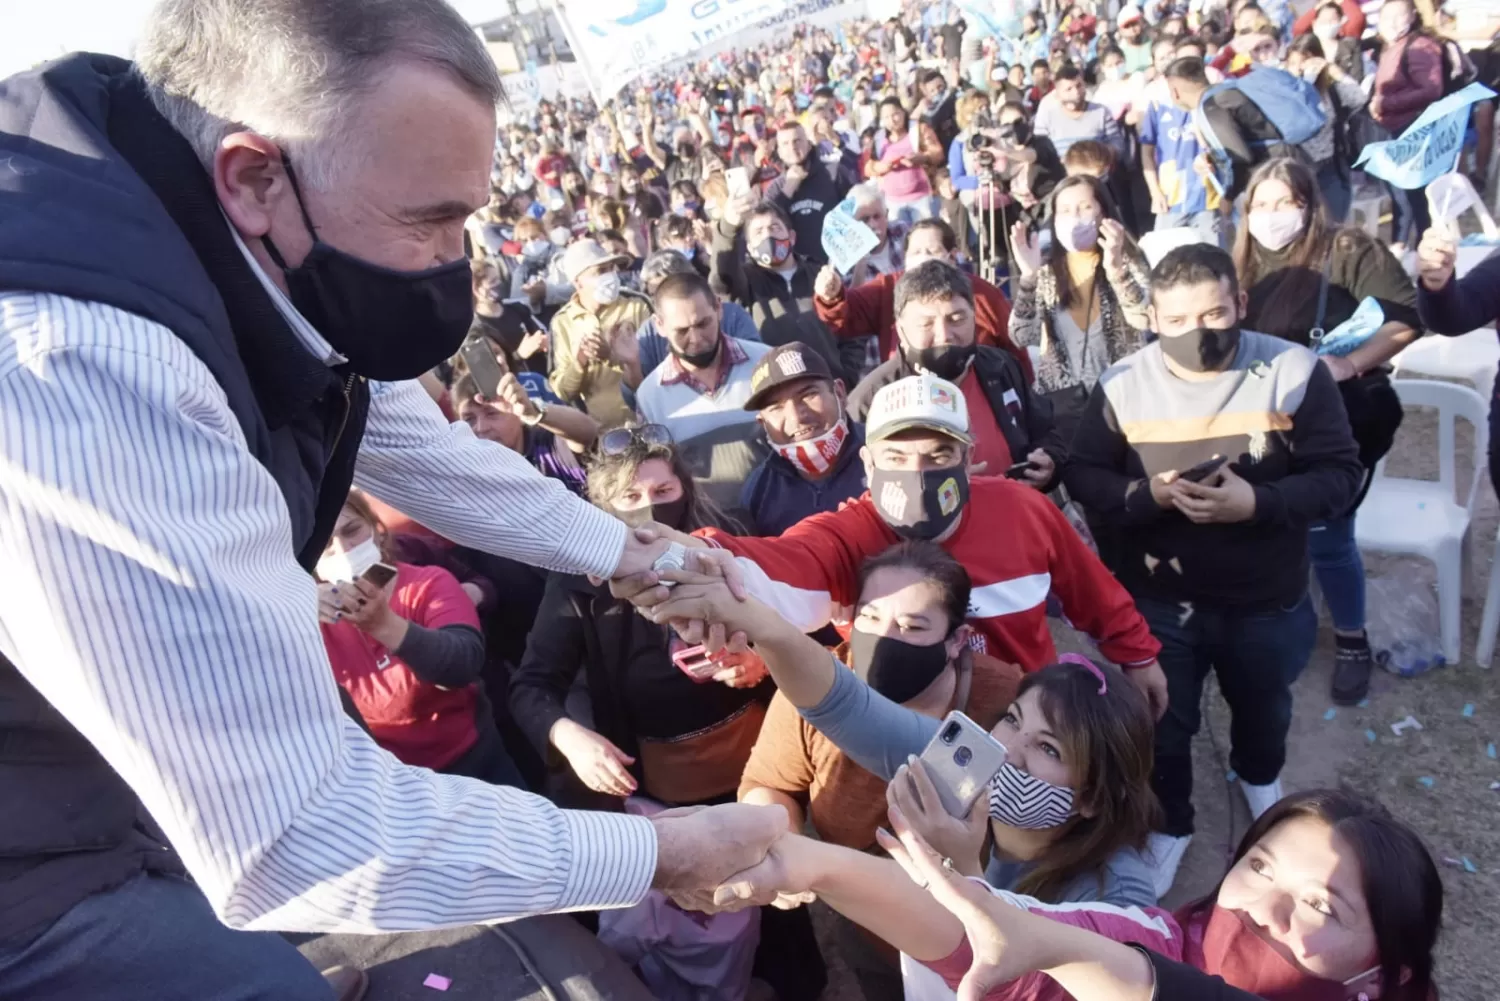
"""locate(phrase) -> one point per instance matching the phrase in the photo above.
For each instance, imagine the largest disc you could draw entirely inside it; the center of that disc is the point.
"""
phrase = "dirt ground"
(1436, 779)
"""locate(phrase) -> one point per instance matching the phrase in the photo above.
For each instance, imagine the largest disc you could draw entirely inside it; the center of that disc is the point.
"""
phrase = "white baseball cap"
(584, 254)
(919, 401)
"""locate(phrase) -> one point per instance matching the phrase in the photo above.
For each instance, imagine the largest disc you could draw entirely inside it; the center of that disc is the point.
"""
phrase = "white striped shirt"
(151, 595)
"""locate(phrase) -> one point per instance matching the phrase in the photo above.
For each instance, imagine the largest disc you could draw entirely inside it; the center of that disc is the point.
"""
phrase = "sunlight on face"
(1301, 890)
(654, 483)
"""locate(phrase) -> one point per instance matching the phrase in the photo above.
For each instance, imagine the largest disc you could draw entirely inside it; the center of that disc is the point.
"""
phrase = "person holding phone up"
(405, 644)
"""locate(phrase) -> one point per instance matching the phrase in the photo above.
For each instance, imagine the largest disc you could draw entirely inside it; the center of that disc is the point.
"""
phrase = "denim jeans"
(1209, 224)
(155, 937)
(1256, 656)
(1340, 570)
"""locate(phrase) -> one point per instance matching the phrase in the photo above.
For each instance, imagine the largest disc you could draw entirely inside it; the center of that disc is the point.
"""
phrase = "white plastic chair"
(1426, 518)
(1473, 357)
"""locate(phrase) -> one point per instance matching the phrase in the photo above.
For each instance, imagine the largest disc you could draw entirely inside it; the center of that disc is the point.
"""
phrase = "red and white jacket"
(1015, 544)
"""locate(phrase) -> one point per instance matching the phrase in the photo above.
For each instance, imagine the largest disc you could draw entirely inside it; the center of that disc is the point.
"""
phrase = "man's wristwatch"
(533, 421)
(675, 558)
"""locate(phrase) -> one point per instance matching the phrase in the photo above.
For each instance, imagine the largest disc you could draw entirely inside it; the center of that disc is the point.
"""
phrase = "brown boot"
(349, 983)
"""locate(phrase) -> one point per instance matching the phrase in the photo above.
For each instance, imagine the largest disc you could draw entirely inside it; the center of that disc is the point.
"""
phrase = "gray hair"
(291, 69)
(867, 195)
(932, 280)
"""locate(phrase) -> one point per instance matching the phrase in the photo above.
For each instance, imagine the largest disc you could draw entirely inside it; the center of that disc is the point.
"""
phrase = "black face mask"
(669, 513)
(893, 667)
(703, 359)
(391, 325)
(920, 504)
(946, 361)
(1206, 349)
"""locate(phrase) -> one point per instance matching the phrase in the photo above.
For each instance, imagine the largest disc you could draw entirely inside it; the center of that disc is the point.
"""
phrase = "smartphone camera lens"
(951, 732)
(962, 757)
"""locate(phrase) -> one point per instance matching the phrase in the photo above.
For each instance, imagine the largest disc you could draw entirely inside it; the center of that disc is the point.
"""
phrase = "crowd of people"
(1078, 376)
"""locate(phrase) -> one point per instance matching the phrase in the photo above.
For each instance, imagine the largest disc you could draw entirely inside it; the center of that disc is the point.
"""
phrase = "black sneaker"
(1351, 669)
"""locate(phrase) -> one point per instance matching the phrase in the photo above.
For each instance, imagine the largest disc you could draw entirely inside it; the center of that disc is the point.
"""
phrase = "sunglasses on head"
(618, 441)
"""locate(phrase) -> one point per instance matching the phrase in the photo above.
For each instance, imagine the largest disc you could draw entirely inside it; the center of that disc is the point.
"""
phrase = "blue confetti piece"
(1490, 750)
(1231, 775)
(1330, 714)
(1363, 703)
(1428, 781)
(1468, 709)
(1370, 736)
(1468, 866)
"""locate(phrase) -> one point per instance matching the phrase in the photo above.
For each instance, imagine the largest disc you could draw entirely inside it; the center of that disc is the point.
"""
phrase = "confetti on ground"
(1468, 709)
(1469, 866)
(1363, 703)
(1410, 723)
(1330, 714)
(1231, 775)
(1455, 863)
(1428, 781)
(1494, 786)
(1370, 736)
(1490, 750)
(437, 982)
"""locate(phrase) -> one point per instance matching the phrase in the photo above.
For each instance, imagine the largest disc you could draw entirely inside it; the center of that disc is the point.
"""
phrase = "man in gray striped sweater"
(1206, 455)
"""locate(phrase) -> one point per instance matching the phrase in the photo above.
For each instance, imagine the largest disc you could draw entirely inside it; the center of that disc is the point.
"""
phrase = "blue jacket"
(776, 496)
(105, 202)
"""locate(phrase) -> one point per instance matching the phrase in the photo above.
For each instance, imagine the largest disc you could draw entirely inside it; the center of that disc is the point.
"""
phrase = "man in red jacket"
(1015, 544)
(870, 309)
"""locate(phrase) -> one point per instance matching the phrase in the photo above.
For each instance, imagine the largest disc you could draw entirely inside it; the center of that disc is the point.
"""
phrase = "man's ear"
(869, 462)
(1244, 305)
(840, 392)
(250, 181)
(955, 644)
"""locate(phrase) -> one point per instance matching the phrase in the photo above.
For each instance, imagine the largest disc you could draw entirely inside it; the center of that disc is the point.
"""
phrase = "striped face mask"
(816, 456)
(1024, 801)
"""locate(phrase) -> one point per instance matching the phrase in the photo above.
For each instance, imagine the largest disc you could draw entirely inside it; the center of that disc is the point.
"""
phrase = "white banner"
(617, 41)
(524, 91)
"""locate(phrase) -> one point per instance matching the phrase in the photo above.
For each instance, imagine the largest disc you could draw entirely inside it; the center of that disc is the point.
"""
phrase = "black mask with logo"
(1206, 349)
(893, 667)
(920, 504)
(946, 361)
(391, 325)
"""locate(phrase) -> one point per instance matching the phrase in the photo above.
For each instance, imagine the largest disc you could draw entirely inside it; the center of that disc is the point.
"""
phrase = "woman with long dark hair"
(1303, 274)
(1082, 300)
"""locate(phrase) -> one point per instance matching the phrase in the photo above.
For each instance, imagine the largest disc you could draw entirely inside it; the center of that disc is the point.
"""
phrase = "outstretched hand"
(701, 848)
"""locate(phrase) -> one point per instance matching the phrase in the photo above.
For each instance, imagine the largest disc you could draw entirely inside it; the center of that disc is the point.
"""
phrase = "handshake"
(726, 858)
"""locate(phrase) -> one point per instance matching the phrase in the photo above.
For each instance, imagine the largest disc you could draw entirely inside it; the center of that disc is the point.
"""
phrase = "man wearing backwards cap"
(1015, 544)
(814, 465)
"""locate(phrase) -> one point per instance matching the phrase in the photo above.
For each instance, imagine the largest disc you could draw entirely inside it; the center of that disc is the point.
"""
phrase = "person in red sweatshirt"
(870, 309)
(1017, 547)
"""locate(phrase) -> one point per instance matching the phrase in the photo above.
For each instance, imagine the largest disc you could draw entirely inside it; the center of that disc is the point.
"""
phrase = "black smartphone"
(1203, 470)
(1019, 470)
(380, 574)
(480, 357)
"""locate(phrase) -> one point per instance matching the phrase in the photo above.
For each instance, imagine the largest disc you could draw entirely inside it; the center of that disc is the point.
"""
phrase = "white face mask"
(1328, 33)
(536, 248)
(1083, 234)
(1395, 34)
(1276, 229)
(350, 565)
(607, 288)
(1115, 72)
(560, 236)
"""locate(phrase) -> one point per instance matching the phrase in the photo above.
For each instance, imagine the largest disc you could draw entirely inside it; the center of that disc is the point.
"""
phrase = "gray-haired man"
(274, 199)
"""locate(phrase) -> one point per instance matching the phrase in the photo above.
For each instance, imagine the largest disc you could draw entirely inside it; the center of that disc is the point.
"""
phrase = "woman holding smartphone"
(1074, 803)
(407, 649)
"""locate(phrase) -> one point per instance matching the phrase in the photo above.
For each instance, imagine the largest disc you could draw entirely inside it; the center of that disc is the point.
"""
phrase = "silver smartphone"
(961, 759)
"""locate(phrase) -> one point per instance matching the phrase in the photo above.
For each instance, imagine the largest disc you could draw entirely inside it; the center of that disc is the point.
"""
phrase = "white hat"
(585, 254)
(918, 401)
(1160, 242)
(1129, 12)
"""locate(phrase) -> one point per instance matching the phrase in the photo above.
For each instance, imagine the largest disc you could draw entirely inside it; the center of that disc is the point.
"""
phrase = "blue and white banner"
(617, 41)
(1430, 145)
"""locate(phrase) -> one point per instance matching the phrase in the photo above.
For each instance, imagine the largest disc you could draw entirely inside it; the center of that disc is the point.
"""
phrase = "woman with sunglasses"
(678, 737)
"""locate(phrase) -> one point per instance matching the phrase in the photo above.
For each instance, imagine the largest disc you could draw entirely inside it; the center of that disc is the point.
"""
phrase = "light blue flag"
(1367, 318)
(845, 239)
(1429, 146)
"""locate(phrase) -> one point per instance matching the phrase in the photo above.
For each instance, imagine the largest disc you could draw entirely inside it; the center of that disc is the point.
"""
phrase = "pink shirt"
(909, 184)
